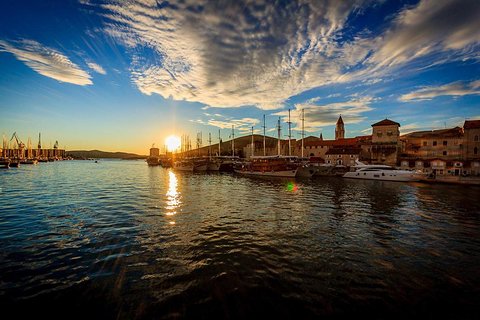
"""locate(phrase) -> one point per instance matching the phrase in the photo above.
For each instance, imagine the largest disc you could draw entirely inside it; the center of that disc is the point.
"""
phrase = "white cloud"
(241, 53)
(430, 27)
(97, 68)
(320, 115)
(46, 61)
(234, 53)
(451, 89)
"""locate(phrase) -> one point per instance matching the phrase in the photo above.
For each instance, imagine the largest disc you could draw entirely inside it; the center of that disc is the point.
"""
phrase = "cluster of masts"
(186, 141)
(14, 150)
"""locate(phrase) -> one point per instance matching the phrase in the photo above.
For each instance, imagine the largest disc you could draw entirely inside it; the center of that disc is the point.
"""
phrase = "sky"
(121, 75)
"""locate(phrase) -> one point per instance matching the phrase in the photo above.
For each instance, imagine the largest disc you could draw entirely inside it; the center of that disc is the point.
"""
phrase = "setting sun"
(172, 142)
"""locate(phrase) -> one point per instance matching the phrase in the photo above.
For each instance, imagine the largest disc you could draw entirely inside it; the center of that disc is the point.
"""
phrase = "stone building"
(385, 144)
(339, 129)
(345, 156)
(471, 139)
(447, 144)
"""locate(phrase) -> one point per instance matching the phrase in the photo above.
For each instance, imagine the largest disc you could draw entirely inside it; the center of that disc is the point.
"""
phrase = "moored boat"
(183, 165)
(269, 166)
(5, 163)
(381, 172)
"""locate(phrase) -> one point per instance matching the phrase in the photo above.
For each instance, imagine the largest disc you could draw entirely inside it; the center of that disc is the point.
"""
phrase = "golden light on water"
(173, 196)
(172, 142)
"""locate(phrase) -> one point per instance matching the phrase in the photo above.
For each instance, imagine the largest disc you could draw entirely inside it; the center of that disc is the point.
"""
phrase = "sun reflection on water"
(173, 195)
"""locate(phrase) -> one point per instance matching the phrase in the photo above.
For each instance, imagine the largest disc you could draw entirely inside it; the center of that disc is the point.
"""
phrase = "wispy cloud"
(46, 61)
(223, 122)
(97, 68)
(430, 27)
(234, 53)
(451, 89)
(320, 115)
(242, 53)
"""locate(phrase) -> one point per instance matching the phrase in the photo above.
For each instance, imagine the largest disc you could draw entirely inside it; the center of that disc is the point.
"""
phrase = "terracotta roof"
(339, 142)
(442, 133)
(344, 151)
(386, 122)
(471, 124)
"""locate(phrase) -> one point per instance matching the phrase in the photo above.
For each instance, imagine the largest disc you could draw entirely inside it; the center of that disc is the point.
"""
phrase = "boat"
(29, 161)
(184, 165)
(381, 172)
(15, 163)
(200, 164)
(269, 166)
(4, 163)
(153, 161)
(214, 164)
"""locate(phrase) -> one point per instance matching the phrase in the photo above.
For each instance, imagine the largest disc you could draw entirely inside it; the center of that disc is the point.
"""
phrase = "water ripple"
(124, 240)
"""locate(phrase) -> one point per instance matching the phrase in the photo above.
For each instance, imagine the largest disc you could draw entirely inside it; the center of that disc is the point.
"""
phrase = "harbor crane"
(20, 144)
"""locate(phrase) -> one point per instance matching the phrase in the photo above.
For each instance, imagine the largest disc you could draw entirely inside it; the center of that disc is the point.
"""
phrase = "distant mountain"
(84, 154)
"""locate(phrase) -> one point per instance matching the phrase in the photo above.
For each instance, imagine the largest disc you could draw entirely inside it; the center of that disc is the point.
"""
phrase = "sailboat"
(270, 166)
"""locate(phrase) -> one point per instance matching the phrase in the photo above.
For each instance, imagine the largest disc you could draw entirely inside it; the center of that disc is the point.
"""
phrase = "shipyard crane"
(20, 144)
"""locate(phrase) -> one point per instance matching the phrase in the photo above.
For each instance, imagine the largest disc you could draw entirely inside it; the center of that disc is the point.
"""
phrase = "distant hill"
(84, 154)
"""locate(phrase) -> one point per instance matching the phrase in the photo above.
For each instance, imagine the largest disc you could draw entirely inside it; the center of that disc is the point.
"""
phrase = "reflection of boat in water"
(269, 166)
(381, 172)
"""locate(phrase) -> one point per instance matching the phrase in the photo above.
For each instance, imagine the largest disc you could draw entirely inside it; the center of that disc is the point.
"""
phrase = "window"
(444, 143)
(475, 150)
(389, 133)
(379, 134)
(434, 143)
(444, 153)
(424, 143)
(476, 138)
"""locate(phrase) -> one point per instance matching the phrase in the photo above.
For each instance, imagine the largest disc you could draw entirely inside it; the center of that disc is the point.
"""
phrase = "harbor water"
(121, 240)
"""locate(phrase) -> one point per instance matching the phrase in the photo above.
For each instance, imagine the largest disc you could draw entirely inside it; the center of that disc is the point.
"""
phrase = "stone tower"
(340, 129)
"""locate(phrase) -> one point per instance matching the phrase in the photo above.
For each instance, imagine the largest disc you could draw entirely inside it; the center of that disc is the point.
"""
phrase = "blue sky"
(117, 75)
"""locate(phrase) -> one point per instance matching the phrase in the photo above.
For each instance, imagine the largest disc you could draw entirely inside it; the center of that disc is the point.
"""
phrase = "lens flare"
(292, 187)
(172, 142)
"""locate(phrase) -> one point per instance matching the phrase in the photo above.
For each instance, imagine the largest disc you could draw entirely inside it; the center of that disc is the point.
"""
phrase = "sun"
(172, 142)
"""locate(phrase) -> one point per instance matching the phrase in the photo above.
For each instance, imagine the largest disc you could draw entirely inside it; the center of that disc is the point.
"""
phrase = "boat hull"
(404, 177)
(213, 166)
(184, 168)
(282, 174)
(306, 172)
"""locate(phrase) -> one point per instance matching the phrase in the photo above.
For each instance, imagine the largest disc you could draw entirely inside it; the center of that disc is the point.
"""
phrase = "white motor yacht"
(381, 172)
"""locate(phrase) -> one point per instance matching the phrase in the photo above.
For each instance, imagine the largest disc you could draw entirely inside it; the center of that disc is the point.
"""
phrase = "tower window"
(444, 143)
(476, 138)
(434, 143)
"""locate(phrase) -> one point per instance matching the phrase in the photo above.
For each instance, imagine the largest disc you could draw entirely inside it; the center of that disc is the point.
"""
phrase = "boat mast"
(210, 146)
(233, 141)
(253, 146)
(219, 142)
(264, 148)
(289, 134)
(303, 127)
(279, 129)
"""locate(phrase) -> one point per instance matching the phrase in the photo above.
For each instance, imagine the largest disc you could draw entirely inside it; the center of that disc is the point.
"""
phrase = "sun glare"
(172, 142)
